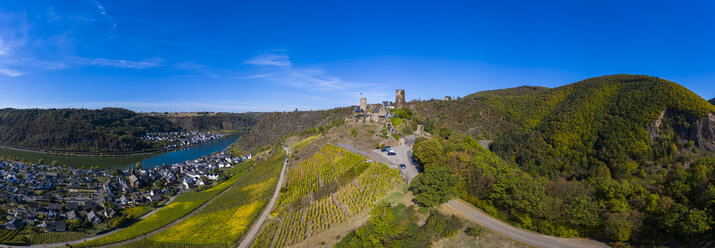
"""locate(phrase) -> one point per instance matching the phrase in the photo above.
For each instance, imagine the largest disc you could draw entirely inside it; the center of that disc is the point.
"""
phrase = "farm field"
(224, 220)
(322, 191)
(181, 206)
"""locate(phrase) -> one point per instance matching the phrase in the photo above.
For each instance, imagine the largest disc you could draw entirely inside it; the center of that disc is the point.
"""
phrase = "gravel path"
(259, 222)
(469, 212)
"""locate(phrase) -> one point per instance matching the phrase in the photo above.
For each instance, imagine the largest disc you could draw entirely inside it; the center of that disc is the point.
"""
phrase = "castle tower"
(363, 104)
(400, 98)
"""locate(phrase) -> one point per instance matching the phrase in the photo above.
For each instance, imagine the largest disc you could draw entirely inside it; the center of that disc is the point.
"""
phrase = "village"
(57, 199)
(182, 139)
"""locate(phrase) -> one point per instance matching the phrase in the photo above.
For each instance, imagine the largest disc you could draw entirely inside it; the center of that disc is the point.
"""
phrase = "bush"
(474, 231)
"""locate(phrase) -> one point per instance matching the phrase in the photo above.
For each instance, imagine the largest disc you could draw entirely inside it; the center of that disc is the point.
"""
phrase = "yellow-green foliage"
(182, 205)
(55, 237)
(225, 219)
(304, 142)
(294, 221)
(137, 211)
(396, 121)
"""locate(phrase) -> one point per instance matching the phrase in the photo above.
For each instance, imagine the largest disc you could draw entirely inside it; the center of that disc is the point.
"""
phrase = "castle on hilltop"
(376, 112)
(400, 98)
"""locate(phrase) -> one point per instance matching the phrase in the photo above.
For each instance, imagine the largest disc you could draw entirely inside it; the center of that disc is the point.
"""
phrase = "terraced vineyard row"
(375, 183)
(294, 225)
(307, 176)
(6, 234)
(223, 221)
(265, 237)
(54, 237)
(323, 213)
(291, 230)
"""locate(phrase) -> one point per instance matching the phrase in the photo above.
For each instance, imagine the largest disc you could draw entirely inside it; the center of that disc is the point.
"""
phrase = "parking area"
(402, 155)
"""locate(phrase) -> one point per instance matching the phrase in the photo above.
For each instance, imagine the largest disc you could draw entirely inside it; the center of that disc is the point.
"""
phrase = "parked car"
(387, 149)
(402, 166)
(391, 153)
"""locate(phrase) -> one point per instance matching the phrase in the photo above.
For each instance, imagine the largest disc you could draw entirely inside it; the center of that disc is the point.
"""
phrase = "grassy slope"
(277, 125)
(181, 206)
(223, 221)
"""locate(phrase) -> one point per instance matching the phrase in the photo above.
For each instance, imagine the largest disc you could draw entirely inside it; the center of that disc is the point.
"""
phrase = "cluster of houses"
(54, 198)
(182, 139)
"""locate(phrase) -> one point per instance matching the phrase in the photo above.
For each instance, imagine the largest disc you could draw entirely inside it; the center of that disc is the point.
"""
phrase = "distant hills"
(117, 131)
(712, 101)
(107, 130)
(239, 122)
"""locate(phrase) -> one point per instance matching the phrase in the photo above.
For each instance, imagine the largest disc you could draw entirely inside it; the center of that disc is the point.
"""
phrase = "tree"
(55, 163)
(353, 132)
(617, 227)
(583, 213)
(40, 161)
(436, 186)
(429, 152)
(138, 166)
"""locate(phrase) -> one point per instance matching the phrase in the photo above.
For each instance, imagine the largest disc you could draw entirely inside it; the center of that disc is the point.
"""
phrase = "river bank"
(122, 161)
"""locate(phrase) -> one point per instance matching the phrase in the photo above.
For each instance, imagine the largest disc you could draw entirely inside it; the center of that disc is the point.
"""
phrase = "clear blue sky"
(263, 55)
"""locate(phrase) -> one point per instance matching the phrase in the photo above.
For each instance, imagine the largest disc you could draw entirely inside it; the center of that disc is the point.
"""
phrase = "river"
(148, 160)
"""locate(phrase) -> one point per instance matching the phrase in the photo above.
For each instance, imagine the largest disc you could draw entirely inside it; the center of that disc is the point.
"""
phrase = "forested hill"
(111, 130)
(712, 101)
(614, 114)
(240, 122)
(620, 157)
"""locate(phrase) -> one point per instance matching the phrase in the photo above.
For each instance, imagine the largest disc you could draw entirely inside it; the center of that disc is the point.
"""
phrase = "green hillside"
(79, 130)
(239, 122)
(621, 157)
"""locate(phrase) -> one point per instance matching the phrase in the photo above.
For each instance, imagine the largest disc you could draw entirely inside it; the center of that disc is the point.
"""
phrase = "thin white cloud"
(3, 48)
(34, 63)
(118, 63)
(103, 11)
(255, 76)
(279, 68)
(161, 106)
(10, 72)
(269, 59)
(194, 67)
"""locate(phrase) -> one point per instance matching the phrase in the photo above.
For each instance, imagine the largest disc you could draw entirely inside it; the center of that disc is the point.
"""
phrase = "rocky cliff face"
(701, 131)
(704, 133)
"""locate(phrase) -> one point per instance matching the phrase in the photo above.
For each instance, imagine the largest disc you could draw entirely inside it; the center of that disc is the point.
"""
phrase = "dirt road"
(469, 212)
(259, 222)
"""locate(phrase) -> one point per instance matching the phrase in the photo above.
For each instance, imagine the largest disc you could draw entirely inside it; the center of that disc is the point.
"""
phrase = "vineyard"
(181, 206)
(265, 237)
(370, 182)
(55, 237)
(321, 169)
(223, 221)
(7, 234)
